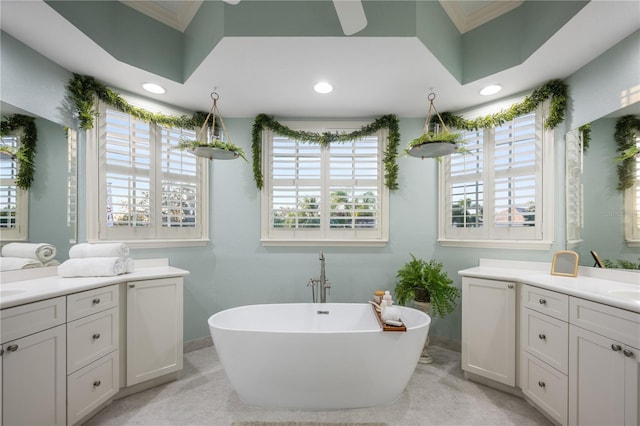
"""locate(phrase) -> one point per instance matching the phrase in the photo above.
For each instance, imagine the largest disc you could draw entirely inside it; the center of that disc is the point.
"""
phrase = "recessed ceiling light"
(490, 90)
(154, 88)
(323, 87)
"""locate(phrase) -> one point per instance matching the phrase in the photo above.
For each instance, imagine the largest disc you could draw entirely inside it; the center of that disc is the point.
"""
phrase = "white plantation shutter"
(149, 188)
(13, 200)
(329, 193)
(573, 187)
(494, 190)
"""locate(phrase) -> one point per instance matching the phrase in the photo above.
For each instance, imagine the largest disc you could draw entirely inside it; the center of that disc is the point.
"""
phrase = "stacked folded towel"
(27, 255)
(97, 260)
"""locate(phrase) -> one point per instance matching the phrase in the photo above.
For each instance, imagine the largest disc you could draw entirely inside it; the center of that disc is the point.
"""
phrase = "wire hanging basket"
(436, 139)
(213, 141)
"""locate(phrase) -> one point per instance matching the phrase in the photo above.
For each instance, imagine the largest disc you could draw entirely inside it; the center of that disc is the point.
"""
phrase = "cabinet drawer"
(30, 318)
(91, 386)
(545, 337)
(614, 323)
(546, 387)
(89, 302)
(545, 301)
(91, 337)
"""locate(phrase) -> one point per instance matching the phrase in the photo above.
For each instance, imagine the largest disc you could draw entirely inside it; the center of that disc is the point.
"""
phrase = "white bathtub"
(291, 356)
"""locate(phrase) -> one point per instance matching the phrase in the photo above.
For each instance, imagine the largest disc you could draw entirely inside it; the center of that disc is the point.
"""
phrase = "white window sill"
(500, 244)
(324, 243)
(140, 244)
(633, 243)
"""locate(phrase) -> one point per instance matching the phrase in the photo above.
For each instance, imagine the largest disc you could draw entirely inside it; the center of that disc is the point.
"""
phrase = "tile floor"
(437, 394)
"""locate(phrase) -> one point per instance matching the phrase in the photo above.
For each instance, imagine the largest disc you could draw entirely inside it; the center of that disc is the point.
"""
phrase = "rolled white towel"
(13, 263)
(92, 267)
(39, 251)
(52, 262)
(99, 250)
(129, 265)
(390, 313)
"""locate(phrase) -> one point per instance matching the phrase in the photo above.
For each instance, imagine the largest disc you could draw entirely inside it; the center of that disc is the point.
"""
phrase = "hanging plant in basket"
(436, 139)
(212, 141)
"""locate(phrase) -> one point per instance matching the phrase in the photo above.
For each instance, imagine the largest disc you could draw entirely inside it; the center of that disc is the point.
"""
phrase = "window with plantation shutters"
(13, 200)
(632, 206)
(492, 194)
(149, 189)
(331, 194)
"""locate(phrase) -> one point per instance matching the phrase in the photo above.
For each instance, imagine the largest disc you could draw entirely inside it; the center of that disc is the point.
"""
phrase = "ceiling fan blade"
(234, 2)
(351, 15)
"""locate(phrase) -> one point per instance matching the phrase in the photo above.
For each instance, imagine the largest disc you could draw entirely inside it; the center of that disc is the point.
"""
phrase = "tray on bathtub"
(386, 327)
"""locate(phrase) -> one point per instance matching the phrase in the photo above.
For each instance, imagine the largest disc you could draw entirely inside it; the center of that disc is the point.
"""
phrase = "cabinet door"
(34, 379)
(154, 328)
(631, 385)
(489, 329)
(596, 379)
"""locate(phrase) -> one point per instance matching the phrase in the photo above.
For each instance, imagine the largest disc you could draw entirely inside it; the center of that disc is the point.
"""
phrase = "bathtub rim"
(426, 323)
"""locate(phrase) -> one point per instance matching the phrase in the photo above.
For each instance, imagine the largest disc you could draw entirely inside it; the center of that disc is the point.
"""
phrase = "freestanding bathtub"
(316, 356)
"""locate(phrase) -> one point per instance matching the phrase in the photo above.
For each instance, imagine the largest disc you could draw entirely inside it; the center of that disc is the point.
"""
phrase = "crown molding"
(465, 19)
(176, 14)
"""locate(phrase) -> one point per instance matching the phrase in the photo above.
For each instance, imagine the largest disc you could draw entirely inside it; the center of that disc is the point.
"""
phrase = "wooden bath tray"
(386, 327)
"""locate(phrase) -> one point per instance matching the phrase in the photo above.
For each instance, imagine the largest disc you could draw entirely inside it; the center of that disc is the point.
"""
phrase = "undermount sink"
(11, 292)
(626, 294)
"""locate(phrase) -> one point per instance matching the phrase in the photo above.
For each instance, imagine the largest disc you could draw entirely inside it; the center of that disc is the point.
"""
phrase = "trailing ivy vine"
(555, 90)
(25, 154)
(389, 121)
(627, 130)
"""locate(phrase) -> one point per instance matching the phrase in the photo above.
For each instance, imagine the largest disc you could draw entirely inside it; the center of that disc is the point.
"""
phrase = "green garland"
(627, 129)
(27, 150)
(586, 136)
(556, 90)
(389, 121)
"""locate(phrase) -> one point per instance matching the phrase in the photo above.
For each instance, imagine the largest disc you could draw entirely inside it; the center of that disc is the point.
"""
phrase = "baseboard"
(195, 344)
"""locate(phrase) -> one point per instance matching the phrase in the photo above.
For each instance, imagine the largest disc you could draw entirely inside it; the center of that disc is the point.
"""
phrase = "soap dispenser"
(387, 298)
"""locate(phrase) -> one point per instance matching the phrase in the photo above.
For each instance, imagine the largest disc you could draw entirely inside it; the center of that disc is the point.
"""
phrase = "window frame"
(96, 199)
(365, 238)
(487, 237)
(21, 231)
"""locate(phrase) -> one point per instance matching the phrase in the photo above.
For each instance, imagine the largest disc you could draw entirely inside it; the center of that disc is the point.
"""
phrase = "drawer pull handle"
(510, 286)
(1, 351)
(96, 383)
(12, 348)
(96, 336)
(542, 336)
(616, 348)
(542, 301)
(96, 301)
(542, 384)
(627, 353)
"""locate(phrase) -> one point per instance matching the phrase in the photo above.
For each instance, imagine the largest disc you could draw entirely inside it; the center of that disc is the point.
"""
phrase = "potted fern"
(429, 288)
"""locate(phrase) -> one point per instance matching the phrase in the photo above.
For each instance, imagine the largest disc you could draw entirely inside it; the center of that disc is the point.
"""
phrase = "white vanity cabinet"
(603, 364)
(544, 349)
(154, 328)
(92, 350)
(33, 363)
(489, 329)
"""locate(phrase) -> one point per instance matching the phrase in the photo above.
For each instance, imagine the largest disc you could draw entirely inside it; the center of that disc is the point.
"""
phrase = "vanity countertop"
(624, 294)
(32, 290)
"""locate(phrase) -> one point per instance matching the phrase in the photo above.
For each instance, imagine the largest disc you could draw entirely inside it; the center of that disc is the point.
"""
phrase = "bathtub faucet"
(321, 283)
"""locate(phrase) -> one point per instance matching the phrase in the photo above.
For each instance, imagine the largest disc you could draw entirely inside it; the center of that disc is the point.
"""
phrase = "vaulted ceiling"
(266, 55)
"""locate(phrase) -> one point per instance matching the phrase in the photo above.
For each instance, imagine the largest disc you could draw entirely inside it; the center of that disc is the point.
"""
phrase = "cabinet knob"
(510, 286)
(627, 353)
(96, 301)
(132, 285)
(542, 384)
(1, 351)
(96, 336)
(12, 348)
(542, 301)
(616, 348)
(96, 383)
(542, 336)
